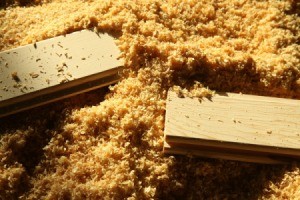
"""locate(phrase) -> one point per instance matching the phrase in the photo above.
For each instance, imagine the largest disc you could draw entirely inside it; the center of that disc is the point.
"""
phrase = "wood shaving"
(60, 68)
(33, 75)
(15, 76)
(112, 148)
(5, 88)
(65, 80)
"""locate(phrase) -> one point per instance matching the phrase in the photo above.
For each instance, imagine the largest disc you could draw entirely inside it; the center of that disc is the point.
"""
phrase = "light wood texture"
(227, 154)
(234, 126)
(56, 68)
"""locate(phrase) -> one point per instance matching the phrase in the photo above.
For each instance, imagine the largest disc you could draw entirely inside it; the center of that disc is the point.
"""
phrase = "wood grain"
(227, 155)
(234, 122)
(56, 68)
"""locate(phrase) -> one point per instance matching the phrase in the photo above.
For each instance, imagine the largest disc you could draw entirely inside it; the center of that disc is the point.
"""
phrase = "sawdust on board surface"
(112, 149)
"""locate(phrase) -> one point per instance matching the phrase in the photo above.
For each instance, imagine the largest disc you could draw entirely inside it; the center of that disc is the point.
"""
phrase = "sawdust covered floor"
(87, 148)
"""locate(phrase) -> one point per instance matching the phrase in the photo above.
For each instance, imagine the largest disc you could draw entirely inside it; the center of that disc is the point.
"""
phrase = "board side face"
(236, 119)
(227, 155)
(62, 66)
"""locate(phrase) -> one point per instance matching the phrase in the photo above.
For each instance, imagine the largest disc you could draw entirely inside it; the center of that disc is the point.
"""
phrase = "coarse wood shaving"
(87, 148)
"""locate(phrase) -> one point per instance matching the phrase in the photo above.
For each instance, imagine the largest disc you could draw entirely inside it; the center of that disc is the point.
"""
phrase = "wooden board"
(227, 154)
(56, 68)
(234, 126)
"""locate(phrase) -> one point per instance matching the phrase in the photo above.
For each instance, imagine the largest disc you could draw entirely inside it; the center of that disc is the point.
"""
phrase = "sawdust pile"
(86, 148)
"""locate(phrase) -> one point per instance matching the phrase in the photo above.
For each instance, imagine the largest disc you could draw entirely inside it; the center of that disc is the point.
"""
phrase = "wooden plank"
(227, 155)
(56, 68)
(235, 122)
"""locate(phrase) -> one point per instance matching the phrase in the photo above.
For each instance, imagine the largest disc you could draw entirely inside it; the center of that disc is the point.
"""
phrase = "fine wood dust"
(112, 149)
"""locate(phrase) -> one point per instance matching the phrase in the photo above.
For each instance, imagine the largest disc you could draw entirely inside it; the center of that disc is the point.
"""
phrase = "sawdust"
(15, 77)
(33, 75)
(85, 148)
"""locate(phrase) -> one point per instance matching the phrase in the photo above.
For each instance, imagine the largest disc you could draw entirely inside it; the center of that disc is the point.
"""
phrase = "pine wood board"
(233, 123)
(57, 68)
(208, 152)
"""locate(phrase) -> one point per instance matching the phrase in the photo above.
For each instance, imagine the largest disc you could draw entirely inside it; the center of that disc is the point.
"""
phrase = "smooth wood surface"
(234, 122)
(56, 68)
